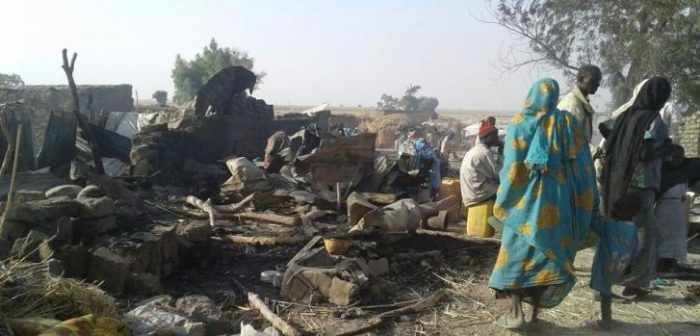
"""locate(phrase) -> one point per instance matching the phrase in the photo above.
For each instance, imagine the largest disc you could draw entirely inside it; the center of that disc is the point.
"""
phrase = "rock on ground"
(96, 207)
(109, 268)
(91, 191)
(68, 190)
(46, 209)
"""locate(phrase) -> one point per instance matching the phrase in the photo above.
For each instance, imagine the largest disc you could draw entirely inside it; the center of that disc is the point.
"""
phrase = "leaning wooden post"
(8, 139)
(11, 191)
(82, 122)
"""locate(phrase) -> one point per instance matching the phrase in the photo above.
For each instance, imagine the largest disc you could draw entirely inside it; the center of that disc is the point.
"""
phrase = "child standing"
(616, 249)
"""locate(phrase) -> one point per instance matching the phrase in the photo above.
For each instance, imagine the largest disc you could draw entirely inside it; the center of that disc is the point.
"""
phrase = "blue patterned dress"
(547, 198)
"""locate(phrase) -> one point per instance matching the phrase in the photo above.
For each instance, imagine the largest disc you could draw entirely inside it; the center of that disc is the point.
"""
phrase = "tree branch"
(82, 123)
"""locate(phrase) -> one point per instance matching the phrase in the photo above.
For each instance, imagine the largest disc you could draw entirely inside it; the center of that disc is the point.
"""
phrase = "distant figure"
(576, 102)
(428, 166)
(276, 152)
(672, 115)
(677, 174)
(492, 121)
(479, 172)
(447, 145)
(478, 175)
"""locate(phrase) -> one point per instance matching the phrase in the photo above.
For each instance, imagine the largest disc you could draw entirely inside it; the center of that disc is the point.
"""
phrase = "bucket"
(477, 220)
(450, 187)
(337, 246)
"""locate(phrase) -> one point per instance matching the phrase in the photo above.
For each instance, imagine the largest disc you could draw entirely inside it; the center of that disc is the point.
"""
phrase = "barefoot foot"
(599, 325)
(510, 321)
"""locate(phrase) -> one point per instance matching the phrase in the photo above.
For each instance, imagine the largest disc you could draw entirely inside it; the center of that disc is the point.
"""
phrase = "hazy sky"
(345, 52)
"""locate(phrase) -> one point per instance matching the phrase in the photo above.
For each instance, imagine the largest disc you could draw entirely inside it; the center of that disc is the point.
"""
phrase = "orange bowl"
(337, 246)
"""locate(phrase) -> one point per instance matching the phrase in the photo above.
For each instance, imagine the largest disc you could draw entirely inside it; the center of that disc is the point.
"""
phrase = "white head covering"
(629, 103)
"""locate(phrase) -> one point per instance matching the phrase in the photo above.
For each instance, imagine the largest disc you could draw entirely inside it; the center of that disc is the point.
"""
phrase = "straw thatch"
(28, 290)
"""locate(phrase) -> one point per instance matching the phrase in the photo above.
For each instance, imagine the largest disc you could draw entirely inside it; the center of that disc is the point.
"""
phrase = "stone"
(22, 196)
(75, 260)
(196, 231)
(91, 191)
(45, 251)
(154, 251)
(342, 293)
(143, 284)
(68, 190)
(60, 227)
(96, 207)
(109, 268)
(14, 230)
(199, 307)
(46, 209)
(378, 267)
(115, 190)
(218, 327)
(87, 230)
(303, 196)
(55, 267)
(5, 248)
(28, 247)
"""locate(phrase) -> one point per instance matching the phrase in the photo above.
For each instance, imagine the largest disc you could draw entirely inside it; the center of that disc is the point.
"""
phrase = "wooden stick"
(380, 198)
(207, 207)
(416, 307)
(204, 206)
(266, 217)
(272, 218)
(286, 329)
(232, 208)
(82, 122)
(371, 324)
(389, 305)
(473, 240)
(309, 217)
(8, 139)
(267, 241)
(339, 206)
(303, 250)
(11, 191)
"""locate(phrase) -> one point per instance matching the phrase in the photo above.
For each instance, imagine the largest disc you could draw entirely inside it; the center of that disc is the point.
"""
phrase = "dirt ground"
(468, 309)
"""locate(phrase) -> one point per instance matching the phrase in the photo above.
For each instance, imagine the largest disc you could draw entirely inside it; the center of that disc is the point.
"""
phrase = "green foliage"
(409, 102)
(629, 40)
(190, 76)
(161, 97)
(10, 80)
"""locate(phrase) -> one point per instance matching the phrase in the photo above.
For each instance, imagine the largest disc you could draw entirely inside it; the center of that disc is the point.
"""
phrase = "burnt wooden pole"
(82, 122)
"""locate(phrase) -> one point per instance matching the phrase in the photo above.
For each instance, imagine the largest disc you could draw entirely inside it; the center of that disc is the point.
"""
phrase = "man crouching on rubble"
(415, 154)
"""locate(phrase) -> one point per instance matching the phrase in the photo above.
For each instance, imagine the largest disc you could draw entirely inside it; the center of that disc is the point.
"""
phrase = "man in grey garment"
(576, 101)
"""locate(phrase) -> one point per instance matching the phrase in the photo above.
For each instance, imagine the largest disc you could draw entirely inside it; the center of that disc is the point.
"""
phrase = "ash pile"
(175, 222)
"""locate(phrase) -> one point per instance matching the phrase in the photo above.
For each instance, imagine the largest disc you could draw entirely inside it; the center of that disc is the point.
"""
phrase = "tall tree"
(629, 40)
(190, 76)
(161, 97)
(409, 102)
(10, 80)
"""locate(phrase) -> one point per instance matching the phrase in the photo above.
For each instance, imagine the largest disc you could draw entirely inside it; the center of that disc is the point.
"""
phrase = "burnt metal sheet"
(218, 91)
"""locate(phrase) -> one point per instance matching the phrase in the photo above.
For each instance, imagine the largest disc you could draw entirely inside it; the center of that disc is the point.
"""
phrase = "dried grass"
(28, 290)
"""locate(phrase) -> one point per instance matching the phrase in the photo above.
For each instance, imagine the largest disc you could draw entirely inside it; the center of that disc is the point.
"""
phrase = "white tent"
(472, 129)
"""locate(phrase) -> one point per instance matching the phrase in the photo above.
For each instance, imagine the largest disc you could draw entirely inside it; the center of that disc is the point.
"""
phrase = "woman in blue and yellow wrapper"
(547, 199)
